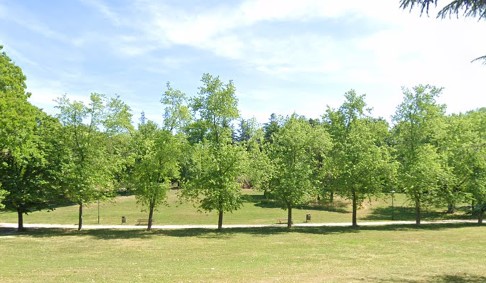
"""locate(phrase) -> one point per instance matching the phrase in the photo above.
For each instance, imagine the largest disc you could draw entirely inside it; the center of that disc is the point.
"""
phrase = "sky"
(283, 56)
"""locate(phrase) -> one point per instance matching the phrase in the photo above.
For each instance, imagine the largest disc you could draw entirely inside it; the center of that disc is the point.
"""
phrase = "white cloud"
(104, 10)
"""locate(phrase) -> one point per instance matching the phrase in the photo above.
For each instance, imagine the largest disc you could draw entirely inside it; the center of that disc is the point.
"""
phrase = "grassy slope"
(432, 253)
(254, 211)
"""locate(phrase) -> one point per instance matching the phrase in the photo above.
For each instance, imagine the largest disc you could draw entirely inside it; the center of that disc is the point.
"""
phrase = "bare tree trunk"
(220, 220)
(417, 212)
(355, 210)
(80, 219)
(480, 216)
(289, 216)
(151, 215)
(331, 197)
(20, 222)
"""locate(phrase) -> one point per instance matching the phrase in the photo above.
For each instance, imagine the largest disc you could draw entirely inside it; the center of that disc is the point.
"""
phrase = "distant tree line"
(91, 151)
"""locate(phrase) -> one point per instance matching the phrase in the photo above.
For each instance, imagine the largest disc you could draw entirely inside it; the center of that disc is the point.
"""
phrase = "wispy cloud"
(104, 10)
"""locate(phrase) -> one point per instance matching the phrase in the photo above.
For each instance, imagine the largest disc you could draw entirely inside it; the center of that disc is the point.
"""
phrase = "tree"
(293, 156)
(361, 163)
(466, 148)
(418, 130)
(3, 194)
(90, 168)
(246, 130)
(272, 126)
(156, 165)
(31, 180)
(176, 113)
(215, 177)
(468, 8)
(217, 163)
(25, 146)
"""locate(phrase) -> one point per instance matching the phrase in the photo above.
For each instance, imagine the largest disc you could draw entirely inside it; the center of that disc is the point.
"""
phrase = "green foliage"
(12, 79)
(176, 113)
(90, 164)
(361, 165)
(3, 194)
(215, 108)
(246, 130)
(217, 164)
(293, 154)
(260, 170)
(215, 176)
(418, 133)
(466, 152)
(27, 146)
(272, 126)
(157, 154)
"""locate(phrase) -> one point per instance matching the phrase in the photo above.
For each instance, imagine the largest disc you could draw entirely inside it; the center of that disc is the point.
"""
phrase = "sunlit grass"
(432, 253)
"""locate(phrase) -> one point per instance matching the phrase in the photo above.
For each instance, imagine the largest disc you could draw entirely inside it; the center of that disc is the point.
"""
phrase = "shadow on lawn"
(226, 233)
(446, 278)
(262, 201)
(408, 213)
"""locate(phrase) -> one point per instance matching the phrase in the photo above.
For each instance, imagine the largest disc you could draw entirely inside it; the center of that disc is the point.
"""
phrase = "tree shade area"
(91, 152)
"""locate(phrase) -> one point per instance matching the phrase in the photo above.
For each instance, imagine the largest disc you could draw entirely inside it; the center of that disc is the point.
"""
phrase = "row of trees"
(89, 151)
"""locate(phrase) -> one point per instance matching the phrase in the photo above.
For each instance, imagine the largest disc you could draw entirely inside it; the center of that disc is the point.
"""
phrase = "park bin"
(307, 217)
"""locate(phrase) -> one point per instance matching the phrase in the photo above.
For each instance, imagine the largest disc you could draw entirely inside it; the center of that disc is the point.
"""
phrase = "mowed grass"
(430, 253)
(256, 210)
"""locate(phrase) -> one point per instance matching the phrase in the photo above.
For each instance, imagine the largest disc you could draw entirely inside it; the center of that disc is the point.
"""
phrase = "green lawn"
(256, 210)
(431, 253)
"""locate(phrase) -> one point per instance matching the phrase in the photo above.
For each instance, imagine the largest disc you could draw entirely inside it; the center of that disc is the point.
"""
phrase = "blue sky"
(283, 56)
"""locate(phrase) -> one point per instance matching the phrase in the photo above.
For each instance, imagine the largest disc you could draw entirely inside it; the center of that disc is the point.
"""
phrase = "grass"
(430, 253)
(256, 210)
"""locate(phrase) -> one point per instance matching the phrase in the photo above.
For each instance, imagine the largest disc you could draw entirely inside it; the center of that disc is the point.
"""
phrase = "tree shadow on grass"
(263, 202)
(466, 278)
(446, 278)
(408, 213)
(225, 233)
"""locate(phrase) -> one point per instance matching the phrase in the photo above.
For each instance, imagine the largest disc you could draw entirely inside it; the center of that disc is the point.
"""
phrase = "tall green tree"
(31, 180)
(217, 163)
(215, 177)
(87, 129)
(466, 158)
(361, 162)
(293, 156)
(418, 130)
(26, 153)
(156, 165)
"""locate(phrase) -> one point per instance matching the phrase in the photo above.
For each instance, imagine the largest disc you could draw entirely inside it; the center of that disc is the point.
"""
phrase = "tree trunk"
(331, 197)
(151, 215)
(80, 219)
(417, 212)
(20, 223)
(451, 208)
(220, 220)
(480, 216)
(289, 216)
(355, 209)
